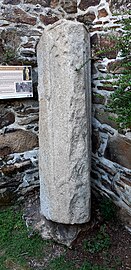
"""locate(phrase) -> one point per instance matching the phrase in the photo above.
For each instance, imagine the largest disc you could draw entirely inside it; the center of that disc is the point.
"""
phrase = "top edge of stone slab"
(64, 21)
(59, 23)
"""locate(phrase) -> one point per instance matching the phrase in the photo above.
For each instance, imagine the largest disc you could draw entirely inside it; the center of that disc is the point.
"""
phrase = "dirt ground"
(104, 243)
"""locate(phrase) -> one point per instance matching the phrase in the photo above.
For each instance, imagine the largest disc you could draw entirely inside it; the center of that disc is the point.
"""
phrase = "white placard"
(15, 82)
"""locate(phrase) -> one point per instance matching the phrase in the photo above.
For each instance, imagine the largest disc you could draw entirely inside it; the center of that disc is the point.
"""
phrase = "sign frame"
(16, 82)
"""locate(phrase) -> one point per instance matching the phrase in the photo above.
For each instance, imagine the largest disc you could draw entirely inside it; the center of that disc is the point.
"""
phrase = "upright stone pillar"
(65, 130)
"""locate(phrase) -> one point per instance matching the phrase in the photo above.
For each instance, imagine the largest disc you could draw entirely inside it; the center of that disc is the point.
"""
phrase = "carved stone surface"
(64, 95)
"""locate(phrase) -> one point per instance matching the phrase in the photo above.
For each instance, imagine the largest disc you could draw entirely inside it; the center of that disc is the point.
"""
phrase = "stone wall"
(18, 149)
(21, 25)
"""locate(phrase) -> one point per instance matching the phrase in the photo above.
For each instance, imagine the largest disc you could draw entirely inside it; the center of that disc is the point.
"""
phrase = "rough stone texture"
(104, 46)
(4, 151)
(10, 38)
(18, 15)
(54, 3)
(48, 19)
(98, 98)
(12, 2)
(62, 233)
(87, 18)
(19, 141)
(69, 6)
(105, 117)
(1, 48)
(119, 151)
(20, 178)
(44, 3)
(85, 4)
(120, 5)
(22, 38)
(18, 171)
(102, 13)
(64, 95)
(95, 141)
(7, 118)
(115, 67)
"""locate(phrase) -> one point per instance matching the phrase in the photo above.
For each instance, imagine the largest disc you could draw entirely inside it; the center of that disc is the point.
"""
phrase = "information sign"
(15, 82)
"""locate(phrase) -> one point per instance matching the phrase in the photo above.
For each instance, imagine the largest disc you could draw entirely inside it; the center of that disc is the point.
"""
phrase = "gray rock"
(61, 233)
(64, 95)
(119, 150)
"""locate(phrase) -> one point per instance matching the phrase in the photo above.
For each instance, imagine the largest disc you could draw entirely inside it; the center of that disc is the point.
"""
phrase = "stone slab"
(65, 122)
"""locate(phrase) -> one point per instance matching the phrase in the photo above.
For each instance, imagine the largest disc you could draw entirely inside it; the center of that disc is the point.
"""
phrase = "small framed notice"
(15, 82)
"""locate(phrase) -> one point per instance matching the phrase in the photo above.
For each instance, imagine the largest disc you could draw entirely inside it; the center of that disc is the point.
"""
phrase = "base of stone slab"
(61, 233)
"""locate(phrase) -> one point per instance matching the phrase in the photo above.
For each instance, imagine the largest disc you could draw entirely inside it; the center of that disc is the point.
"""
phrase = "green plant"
(108, 260)
(120, 100)
(9, 55)
(99, 242)
(99, 96)
(60, 263)
(108, 209)
(15, 244)
(89, 266)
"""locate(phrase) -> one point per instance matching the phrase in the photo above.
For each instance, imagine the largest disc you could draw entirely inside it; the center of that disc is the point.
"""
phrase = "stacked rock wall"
(18, 149)
(21, 25)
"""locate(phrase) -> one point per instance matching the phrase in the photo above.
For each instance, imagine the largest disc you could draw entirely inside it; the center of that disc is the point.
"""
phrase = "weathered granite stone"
(119, 150)
(64, 137)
